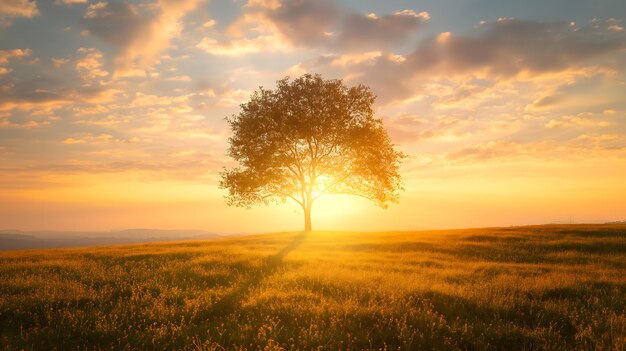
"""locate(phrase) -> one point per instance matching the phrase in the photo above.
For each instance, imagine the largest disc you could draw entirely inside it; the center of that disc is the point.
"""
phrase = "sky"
(112, 113)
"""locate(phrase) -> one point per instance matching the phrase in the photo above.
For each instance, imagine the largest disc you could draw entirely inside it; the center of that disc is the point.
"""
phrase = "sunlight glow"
(322, 183)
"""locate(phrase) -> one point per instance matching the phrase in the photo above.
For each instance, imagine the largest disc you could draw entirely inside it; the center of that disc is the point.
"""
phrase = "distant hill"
(18, 240)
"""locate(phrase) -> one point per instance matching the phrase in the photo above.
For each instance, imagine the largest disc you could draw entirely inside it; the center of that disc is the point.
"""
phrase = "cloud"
(386, 74)
(90, 65)
(576, 121)
(496, 52)
(59, 62)
(179, 79)
(497, 149)
(71, 141)
(352, 59)
(299, 22)
(101, 138)
(408, 128)
(109, 120)
(373, 32)
(508, 47)
(28, 93)
(18, 8)
(283, 26)
(6, 123)
(48, 91)
(214, 95)
(243, 46)
(584, 146)
(274, 26)
(311, 23)
(71, 2)
(7, 55)
(117, 23)
(598, 138)
(143, 100)
(467, 94)
(175, 164)
(545, 101)
(141, 34)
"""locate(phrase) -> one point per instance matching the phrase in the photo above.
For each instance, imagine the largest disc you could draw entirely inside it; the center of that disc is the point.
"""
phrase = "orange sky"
(112, 113)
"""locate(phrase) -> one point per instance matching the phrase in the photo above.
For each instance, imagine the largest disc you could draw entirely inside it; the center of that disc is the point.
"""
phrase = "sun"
(322, 184)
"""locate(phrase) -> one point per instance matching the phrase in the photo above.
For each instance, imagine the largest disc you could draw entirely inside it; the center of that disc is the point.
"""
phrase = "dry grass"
(539, 288)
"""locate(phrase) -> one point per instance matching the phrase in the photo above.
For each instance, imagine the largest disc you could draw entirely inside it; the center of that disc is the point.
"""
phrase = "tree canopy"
(307, 138)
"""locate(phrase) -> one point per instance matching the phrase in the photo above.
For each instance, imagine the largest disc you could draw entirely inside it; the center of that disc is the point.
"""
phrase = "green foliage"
(307, 138)
(525, 288)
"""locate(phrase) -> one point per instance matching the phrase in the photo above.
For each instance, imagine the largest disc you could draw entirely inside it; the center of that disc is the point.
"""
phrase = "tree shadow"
(231, 301)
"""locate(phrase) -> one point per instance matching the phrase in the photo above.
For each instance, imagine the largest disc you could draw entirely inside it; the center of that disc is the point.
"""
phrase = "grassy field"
(517, 288)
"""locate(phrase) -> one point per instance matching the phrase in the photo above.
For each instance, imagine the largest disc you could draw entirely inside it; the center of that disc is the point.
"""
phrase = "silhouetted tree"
(307, 138)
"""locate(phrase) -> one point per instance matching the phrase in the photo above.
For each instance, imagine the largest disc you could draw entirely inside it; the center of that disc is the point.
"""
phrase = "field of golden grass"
(517, 288)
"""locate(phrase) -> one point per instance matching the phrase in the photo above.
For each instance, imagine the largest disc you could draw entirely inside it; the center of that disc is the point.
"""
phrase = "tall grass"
(518, 288)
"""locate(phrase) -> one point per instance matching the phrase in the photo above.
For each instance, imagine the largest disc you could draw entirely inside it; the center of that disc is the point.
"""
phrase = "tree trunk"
(307, 219)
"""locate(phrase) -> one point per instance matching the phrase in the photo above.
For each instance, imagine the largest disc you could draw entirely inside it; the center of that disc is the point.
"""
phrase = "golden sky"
(112, 112)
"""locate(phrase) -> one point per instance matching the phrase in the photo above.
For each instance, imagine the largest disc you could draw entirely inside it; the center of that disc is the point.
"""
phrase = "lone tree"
(307, 138)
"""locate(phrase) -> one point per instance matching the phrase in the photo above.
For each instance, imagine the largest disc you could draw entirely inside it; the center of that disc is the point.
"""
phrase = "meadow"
(560, 287)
